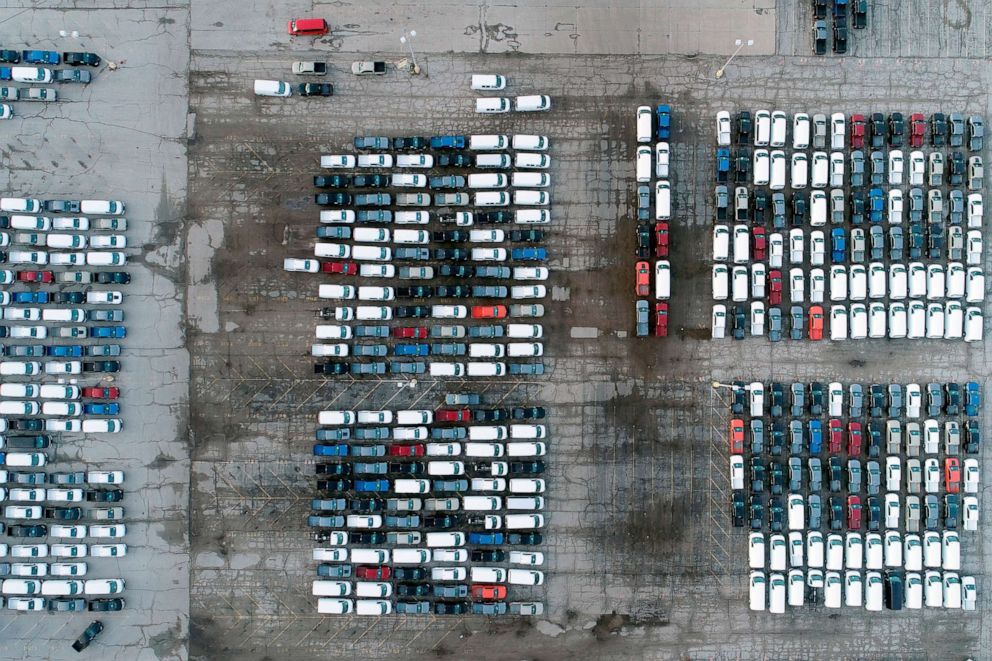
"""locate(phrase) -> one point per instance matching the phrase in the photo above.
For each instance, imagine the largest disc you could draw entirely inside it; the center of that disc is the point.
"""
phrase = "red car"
(347, 268)
(661, 319)
(835, 439)
(759, 243)
(95, 392)
(380, 573)
(488, 592)
(643, 282)
(416, 450)
(488, 311)
(736, 436)
(452, 415)
(307, 27)
(952, 474)
(917, 129)
(661, 239)
(854, 513)
(35, 276)
(774, 287)
(857, 131)
(854, 439)
(816, 323)
(410, 332)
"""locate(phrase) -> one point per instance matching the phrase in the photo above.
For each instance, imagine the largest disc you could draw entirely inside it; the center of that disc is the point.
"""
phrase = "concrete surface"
(122, 136)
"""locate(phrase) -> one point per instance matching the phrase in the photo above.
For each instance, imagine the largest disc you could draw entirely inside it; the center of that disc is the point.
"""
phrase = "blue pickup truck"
(40, 57)
(448, 142)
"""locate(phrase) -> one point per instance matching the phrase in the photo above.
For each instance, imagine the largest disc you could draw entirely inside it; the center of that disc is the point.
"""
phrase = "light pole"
(740, 43)
(407, 39)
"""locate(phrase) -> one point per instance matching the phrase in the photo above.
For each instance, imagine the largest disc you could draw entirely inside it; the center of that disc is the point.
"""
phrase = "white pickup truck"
(310, 68)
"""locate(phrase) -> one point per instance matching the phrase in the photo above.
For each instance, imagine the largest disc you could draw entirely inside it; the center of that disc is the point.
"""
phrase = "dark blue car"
(411, 350)
(40, 57)
(972, 399)
(529, 254)
(485, 538)
(5, 73)
(372, 485)
(30, 297)
(108, 331)
(722, 165)
(838, 241)
(448, 142)
(815, 436)
(113, 408)
(337, 450)
(68, 351)
(664, 114)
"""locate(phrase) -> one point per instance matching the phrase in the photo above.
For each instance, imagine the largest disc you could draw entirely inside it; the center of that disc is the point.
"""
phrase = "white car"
(975, 247)
(893, 547)
(817, 286)
(933, 590)
(719, 322)
(108, 550)
(895, 206)
(814, 548)
(917, 167)
(796, 549)
(912, 552)
(662, 154)
(756, 550)
(891, 510)
(969, 593)
(301, 265)
(723, 128)
(853, 589)
(836, 169)
(893, 473)
(838, 322)
(950, 550)
(838, 283)
(797, 285)
(975, 210)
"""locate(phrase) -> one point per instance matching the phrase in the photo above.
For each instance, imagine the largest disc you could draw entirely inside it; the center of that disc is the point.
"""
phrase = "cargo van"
(332, 332)
(52, 391)
(486, 369)
(486, 350)
(370, 556)
(532, 161)
(102, 207)
(531, 217)
(533, 103)
(663, 200)
(109, 426)
(341, 292)
(331, 588)
(373, 607)
(492, 104)
(446, 369)
(524, 331)
(488, 142)
(530, 179)
(531, 198)
(817, 208)
(31, 74)
(445, 539)
(644, 124)
(525, 503)
(536, 449)
(478, 450)
(18, 408)
(375, 293)
(530, 142)
(524, 349)
(411, 236)
(643, 168)
(445, 468)
(495, 161)
(370, 253)
(488, 82)
(337, 216)
(492, 199)
(24, 459)
(20, 205)
(488, 575)
(487, 433)
(411, 556)
(19, 390)
(333, 250)
(487, 180)
(411, 486)
(662, 279)
(528, 431)
(482, 503)
(329, 350)
(65, 315)
(272, 88)
(18, 368)
(330, 606)
(523, 521)
(525, 577)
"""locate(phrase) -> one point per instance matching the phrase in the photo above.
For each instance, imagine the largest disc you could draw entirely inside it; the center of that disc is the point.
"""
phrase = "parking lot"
(641, 561)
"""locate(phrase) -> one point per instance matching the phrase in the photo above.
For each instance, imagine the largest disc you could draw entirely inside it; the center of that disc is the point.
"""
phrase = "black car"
(74, 297)
(412, 311)
(413, 142)
(450, 607)
(643, 250)
(952, 397)
(487, 556)
(840, 39)
(799, 210)
(330, 368)
(836, 474)
(957, 169)
(455, 271)
(744, 127)
(453, 254)
(106, 495)
(367, 537)
(411, 589)
(371, 142)
(739, 402)
(935, 239)
(407, 468)
(776, 514)
(102, 366)
(740, 322)
(333, 199)
(370, 180)
(859, 10)
(836, 508)
(776, 477)
(111, 278)
(938, 129)
(455, 160)
(63, 206)
(757, 475)
(367, 505)
(10, 56)
(80, 59)
(105, 605)
(26, 424)
(449, 236)
(63, 513)
(332, 469)
(972, 437)
(737, 509)
(527, 467)
(897, 129)
(36, 530)
(528, 413)
(760, 209)
(757, 513)
(453, 291)
(877, 130)
(490, 415)
(527, 236)
(442, 521)
(332, 181)
(93, 630)
(416, 291)
(820, 9)
(494, 217)
(816, 398)
(66, 605)
(874, 509)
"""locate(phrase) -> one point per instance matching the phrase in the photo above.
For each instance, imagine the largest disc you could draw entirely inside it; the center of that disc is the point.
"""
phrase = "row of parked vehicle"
(892, 590)
(34, 74)
(388, 570)
(836, 132)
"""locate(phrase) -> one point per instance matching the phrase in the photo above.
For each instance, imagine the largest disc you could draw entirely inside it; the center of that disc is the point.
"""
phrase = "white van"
(331, 588)
(371, 253)
(18, 368)
(486, 180)
(18, 408)
(531, 198)
(488, 142)
(524, 331)
(800, 131)
(446, 468)
(777, 181)
(817, 208)
(52, 391)
(492, 199)
(331, 606)
(332, 250)
(533, 103)
(523, 521)
(487, 369)
(488, 575)
(492, 104)
(643, 164)
(342, 292)
(531, 217)
(477, 450)
(337, 216)
(528, 431)
(373, 607)
(534, 449)
(446, 369)
(525, 577)
(375, 293)
(65, 315)
(409, 218)
(487, 432)
(108, 426)
(756, 591)
(19, 390)
(524, 349)
(411, 556)
(336, 418)
(529, 180)
(329, 350)
(530, 142)
(20, 204)
(272, 88)
(526, 485)
(482, 503)
(445, 539)
(411, 236)
(663, 200)
(662, 279)
(102, 207)
(644, 124)
(496, 161)
(332, 332)
(762, 128)
(369, 556)
(488, 82)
